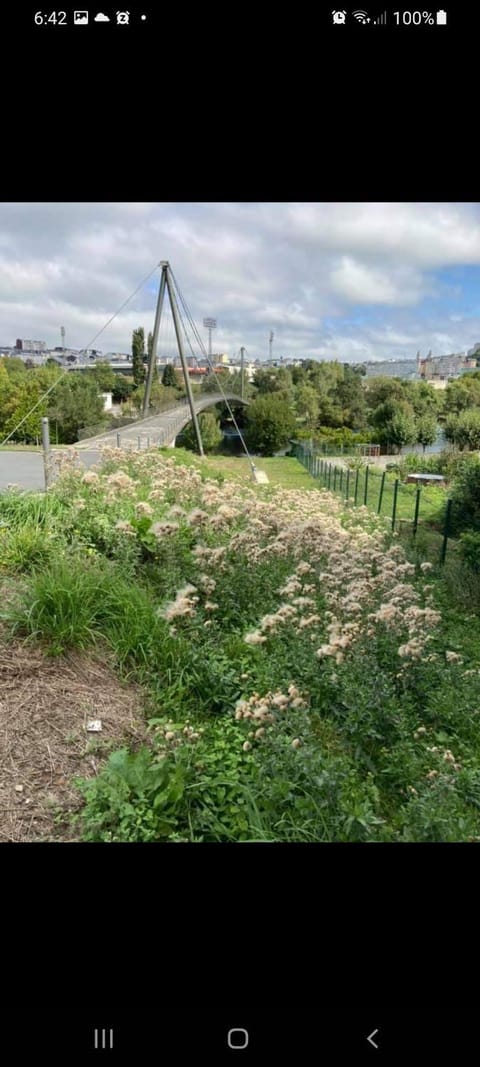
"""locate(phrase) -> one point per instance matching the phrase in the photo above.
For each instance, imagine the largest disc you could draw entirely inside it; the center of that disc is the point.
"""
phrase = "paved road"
(26, 468)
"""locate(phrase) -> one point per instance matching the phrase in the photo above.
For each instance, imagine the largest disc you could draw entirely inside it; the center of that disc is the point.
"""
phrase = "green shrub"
(469, 550)
(466, 496)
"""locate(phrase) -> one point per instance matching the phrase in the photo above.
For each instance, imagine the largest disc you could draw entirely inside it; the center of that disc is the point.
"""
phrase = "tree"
(210, 382)
(269, 424)
(14, 366)
(426, 430)
(265, 380)
(299, 375)
(138, 355)
(395, 423)
(149, 353)
(21, 399)
(351, 398)
(307, 405)
(169, 377)
(464, 429)
(425, 400)
(210, 431)
(161, 397)
(465, 496)
(381, 389)
(75, 404)
(122, 389)
(462, 395)
(103, 375)
(401, 429)
(450, 428)
(235, 385)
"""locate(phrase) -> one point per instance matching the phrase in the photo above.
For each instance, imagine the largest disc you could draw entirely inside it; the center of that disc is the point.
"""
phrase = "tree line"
(75, 401)
(328, 401)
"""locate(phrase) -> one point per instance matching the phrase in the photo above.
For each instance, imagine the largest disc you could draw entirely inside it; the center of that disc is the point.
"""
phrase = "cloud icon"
(101, 17)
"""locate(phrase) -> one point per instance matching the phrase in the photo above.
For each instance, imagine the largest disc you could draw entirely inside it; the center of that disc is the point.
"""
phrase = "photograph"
(240, 522)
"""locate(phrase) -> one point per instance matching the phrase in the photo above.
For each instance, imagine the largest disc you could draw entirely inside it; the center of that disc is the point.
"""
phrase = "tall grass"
(74, 603)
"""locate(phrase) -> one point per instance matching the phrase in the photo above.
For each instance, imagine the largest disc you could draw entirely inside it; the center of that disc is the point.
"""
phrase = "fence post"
(348, 483)
(394, 508)
(380, 495)
(334, 478)
(446, 530)
(356, 487)
(329, 475)
(138, 439)
(417, 507)
(341, 479)
(365, 494)
(46, 451)
(118, 440)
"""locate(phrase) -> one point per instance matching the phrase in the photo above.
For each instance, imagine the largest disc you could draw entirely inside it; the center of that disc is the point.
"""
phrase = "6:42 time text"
(58, 18)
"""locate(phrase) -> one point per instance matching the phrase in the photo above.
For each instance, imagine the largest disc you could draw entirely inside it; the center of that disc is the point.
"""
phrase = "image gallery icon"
(80, 18)
(339, 18)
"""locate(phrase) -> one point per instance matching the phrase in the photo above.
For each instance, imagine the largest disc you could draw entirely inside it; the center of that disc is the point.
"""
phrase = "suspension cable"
(202, 348)
(67, 370)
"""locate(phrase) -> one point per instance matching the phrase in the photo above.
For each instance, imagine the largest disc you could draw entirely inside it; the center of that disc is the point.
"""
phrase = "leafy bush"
(269, 424)
(466, 497)
(469, 550)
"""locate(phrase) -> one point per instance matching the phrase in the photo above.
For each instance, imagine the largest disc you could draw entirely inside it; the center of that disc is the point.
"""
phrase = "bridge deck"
(158, 429)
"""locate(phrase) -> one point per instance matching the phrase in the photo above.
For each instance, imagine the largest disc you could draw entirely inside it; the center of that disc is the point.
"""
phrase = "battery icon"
(441, 18)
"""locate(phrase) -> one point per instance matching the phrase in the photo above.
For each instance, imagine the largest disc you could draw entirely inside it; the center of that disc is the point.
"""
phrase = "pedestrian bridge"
(160, 429)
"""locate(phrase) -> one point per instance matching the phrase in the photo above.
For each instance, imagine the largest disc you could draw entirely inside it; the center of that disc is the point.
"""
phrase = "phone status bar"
(360, 17)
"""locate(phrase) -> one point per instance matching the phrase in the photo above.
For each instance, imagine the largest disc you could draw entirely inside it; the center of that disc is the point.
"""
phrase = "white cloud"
(331, 280)
(359, 283)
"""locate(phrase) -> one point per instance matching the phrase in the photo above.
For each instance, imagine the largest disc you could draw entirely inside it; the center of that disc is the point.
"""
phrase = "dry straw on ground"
(45, 704)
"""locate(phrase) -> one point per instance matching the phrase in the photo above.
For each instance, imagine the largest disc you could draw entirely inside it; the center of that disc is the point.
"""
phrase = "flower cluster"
(262, 712)
(183, 606)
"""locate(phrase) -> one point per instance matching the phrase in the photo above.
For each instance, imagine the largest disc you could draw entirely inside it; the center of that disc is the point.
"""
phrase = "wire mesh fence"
(420, 514)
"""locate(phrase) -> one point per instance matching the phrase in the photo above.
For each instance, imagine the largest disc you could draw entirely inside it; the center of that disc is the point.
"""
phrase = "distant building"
(31, 346)
(392, 368)
(444, 367)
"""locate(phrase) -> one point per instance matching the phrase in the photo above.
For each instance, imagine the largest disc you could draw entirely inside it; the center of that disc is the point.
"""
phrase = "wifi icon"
(361, 16)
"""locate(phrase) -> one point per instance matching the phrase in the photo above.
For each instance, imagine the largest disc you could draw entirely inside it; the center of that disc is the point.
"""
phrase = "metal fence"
(411, 509)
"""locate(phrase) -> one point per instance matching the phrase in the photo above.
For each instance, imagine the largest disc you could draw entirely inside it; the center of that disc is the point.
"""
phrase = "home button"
(237, 1038)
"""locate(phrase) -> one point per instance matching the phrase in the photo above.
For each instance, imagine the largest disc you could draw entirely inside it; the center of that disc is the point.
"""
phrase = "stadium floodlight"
(210, 324)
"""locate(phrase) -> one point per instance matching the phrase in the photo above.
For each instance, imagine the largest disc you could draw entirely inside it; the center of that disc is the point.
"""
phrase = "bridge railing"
(181, 406)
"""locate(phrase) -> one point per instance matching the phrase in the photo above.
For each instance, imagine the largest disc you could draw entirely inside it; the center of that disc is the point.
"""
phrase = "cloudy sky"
(332, 280)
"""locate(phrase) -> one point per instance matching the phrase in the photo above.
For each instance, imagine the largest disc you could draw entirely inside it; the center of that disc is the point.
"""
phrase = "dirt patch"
(45, 705)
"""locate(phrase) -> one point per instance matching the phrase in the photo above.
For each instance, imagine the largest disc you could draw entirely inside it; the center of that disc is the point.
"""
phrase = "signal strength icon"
(382, 20)
(361, 16)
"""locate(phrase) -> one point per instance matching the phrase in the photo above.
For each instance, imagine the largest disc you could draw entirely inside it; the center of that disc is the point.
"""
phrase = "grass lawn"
(281, 470)
(31, 448)
(432, 498)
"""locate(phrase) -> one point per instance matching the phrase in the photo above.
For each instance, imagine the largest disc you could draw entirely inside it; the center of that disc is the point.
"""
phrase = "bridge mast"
(166, 283)
(153, 354)
(178, 332)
